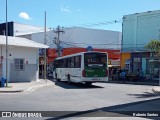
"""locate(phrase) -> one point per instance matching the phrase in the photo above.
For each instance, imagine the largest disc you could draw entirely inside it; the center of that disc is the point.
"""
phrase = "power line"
(112, 22)
(96, 23)
(113, 43)
(111, 46)
(71, 45)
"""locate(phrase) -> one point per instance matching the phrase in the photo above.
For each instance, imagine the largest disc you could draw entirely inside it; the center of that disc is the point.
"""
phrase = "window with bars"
(19, 64)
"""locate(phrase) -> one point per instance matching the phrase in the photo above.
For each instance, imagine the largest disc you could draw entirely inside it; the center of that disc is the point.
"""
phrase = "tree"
(154, 46)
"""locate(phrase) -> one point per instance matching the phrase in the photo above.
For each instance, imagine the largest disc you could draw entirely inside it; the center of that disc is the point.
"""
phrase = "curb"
(30, 89)
(14, 91)
(134, 83)
(155, 92)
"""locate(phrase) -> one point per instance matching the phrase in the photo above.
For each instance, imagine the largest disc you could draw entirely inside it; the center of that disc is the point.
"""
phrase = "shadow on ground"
(144, 95)
(71, 85)
(114, 111)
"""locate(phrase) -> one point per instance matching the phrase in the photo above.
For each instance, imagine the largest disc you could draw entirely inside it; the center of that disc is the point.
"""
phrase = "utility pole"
(159, 59)
(6, 46)
(57, 41)
(159, 70)
(45, 42)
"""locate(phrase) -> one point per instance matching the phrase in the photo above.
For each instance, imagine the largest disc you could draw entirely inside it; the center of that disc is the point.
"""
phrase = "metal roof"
(22, 42)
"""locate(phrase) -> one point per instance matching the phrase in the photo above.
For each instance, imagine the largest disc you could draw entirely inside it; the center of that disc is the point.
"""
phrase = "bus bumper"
(99, 79)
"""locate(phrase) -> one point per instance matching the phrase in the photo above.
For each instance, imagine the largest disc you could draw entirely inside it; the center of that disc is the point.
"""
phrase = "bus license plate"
(95, 79)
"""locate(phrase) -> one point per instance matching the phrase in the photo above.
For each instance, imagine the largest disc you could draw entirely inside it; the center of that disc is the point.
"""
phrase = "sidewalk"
(155, 88)
(26, 86)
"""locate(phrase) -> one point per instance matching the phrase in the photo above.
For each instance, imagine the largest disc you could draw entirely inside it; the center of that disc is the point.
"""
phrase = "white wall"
(87, 37)
(139, 29)
(29, 54)
(23, 29)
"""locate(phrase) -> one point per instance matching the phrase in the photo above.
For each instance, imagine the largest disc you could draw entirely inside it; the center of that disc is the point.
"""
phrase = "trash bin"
(3, 81)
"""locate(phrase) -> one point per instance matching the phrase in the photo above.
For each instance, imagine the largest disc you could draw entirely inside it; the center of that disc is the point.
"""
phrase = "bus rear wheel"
(68, 78)
(88, 83)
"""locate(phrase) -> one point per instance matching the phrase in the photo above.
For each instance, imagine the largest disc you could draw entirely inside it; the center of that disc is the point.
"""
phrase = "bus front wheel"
(56, 76)
(88, 83)
(57, 79)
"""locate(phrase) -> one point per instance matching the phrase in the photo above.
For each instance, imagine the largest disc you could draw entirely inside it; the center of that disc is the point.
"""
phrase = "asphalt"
(34, 85)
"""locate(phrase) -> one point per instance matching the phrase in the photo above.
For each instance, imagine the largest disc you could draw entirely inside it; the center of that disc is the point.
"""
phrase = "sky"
(96, 14)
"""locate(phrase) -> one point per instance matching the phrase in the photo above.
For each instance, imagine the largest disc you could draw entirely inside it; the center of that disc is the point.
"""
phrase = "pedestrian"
(141, 74)
(112, 75)
(119, 74)
(123, 75)
(138, 74)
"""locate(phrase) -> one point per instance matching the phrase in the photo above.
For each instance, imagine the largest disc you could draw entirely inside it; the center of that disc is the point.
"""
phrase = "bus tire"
(68, 78)
(56, 77)
(88, 83)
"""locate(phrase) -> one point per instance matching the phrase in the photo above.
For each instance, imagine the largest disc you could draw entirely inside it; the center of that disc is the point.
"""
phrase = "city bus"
(83, 67)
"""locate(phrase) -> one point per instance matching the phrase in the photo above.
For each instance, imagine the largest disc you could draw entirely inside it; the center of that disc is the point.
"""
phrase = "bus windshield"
(95, 59)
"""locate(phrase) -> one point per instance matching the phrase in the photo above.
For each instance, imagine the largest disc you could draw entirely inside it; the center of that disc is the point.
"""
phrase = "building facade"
(22, 59)
(138, 30)
(82, 37)
(18, 29)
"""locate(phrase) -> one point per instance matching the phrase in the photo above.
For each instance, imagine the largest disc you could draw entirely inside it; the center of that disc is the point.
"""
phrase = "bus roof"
(80, 53)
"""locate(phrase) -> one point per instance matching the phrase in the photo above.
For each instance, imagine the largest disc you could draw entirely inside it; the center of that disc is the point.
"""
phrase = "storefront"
(152, 66)
(148, 62)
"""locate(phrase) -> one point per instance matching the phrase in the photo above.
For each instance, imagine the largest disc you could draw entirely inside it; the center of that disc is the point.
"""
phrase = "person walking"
(141, 74)
(112, 75)
(119, 74)
(138, 74)
(123, 75)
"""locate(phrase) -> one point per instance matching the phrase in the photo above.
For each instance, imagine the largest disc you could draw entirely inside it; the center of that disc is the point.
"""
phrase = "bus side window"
(65, 63)
(69, 62)
(72, 62)
(78, 61)
(55, 64)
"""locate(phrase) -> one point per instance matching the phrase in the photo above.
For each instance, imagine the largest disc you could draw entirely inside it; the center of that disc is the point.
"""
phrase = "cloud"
(24, 15)
(65, 9)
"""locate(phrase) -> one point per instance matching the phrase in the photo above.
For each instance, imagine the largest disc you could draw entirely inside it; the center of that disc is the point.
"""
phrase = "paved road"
(78, 97)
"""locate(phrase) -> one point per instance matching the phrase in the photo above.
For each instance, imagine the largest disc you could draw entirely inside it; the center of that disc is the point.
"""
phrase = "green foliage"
(153, 45)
